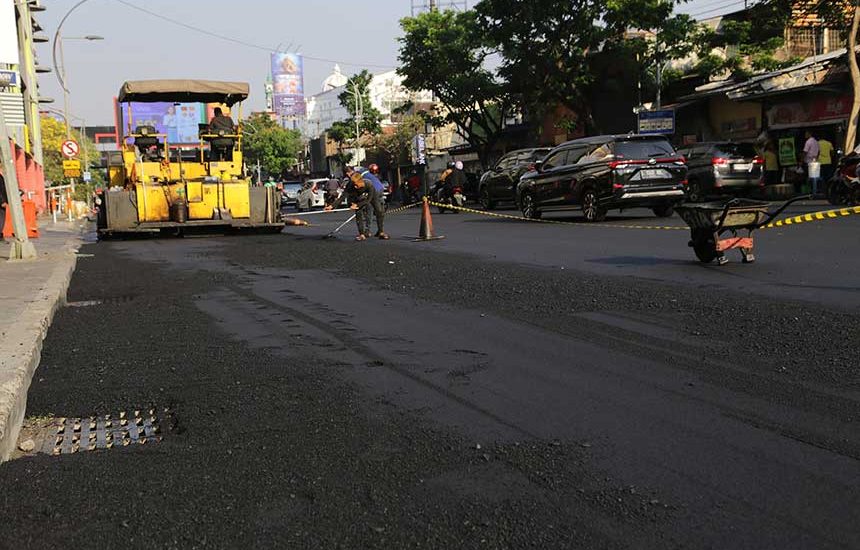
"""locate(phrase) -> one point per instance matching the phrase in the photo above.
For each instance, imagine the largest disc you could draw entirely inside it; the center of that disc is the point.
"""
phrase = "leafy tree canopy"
(445, 52)
(355, 98)
(275, 147)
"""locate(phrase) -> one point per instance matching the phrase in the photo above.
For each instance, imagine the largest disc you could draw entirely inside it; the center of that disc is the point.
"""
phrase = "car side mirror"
(538, 165)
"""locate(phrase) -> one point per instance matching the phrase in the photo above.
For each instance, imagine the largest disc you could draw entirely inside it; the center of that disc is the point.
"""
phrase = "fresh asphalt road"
(461, 393)
(812, 261)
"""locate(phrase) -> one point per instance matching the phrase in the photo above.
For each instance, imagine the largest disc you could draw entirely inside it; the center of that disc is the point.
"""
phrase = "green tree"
(277, 149)
(53, 135)
(446, 52)
(547, 47)
(398, 142)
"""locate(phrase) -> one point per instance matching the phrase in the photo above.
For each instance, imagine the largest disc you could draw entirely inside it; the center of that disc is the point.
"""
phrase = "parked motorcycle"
(844, 188)
(454, 197)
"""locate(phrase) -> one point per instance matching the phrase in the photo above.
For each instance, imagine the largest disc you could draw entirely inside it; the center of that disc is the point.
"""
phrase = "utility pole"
(22, 248)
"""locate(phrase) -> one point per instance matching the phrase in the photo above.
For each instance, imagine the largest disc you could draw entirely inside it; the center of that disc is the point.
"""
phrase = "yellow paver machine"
(164, 187)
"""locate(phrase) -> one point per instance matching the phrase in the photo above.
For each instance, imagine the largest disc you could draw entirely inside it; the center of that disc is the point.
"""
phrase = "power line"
(242, 42)
(733, 4)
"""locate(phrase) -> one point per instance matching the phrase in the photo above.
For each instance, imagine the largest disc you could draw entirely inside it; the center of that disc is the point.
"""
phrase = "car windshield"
(538, 154)
(735, 150)
(292, 186)
(643, 148)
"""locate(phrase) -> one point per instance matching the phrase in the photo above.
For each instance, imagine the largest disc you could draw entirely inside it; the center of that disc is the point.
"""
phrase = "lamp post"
(61, 73)
(359, 113)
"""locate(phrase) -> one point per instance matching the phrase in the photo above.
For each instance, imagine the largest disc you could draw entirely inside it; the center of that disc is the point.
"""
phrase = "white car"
(312, 195)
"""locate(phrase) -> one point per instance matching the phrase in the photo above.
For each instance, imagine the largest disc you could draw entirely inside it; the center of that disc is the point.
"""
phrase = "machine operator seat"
(147, 142)
(220, 143)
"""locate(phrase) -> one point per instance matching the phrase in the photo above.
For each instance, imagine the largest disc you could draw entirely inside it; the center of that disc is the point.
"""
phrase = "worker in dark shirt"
(360, 193)
(221, 122)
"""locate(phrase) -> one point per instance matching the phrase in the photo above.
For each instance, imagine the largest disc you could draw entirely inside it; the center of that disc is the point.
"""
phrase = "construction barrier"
(29, 219)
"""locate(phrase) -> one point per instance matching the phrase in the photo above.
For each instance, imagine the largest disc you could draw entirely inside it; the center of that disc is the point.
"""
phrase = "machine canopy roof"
(185, 91)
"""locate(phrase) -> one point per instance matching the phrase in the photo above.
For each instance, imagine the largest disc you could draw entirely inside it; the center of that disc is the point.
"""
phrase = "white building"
(386, 92)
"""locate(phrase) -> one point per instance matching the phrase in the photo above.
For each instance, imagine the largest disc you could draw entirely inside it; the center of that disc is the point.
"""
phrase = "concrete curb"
(27, 336)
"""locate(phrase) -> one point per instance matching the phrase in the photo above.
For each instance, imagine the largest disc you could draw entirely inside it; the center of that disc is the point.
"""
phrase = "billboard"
(179, 122)
(288, 85)
(8, 33)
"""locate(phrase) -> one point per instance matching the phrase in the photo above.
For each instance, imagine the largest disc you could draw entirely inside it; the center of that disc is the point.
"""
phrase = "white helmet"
(458, 165)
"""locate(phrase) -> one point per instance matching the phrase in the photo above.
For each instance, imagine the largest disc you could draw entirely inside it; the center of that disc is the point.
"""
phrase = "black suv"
(722, 168)
(601, 173)
(499, 183)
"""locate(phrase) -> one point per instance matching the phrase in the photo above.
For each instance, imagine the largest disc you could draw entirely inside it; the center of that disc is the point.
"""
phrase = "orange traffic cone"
(425, 229)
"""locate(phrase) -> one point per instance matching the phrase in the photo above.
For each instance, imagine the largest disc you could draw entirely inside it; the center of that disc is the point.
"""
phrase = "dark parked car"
(603, 173)
(722, 168)
(499, 184)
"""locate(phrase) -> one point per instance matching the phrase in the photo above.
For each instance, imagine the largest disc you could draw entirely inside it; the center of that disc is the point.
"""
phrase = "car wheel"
(663, 211)
(591, 208)
(529, 208)
(486, 202)
(694, 192)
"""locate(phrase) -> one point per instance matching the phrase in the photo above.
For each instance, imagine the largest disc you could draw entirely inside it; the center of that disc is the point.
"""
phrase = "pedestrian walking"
(362, 196)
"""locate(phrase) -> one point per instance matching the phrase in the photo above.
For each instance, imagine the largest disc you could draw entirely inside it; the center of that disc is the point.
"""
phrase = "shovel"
(331, 234)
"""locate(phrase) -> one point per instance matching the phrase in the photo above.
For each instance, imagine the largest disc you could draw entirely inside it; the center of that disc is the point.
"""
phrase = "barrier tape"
(795, 220)
(556, 222)
(815, 217)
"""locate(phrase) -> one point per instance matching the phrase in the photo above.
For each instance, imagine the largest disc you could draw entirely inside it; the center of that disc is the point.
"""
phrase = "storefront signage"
(9, 79)
(818, 111)
(657, 122)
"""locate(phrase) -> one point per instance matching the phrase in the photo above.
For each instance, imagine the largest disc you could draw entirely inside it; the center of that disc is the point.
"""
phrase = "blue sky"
(141, 46)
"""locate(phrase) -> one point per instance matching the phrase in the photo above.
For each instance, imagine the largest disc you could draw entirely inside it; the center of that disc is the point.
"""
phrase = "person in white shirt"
(810, 155)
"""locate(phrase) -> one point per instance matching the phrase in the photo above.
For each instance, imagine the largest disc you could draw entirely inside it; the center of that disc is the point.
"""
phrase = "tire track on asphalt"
(357, 346)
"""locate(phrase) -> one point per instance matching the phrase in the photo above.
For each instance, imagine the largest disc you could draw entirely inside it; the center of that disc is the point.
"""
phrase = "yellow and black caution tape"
(815, 217)
(556, 222)
(402, 208)
(795, 220)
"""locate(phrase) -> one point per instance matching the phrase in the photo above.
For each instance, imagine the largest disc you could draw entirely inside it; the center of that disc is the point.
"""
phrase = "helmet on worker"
(373, 169)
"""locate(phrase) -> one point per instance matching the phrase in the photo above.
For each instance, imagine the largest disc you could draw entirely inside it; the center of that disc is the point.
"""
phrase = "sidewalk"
(30, 292)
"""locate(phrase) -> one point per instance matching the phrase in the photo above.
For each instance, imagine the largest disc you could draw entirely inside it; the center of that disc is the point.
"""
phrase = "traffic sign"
(70, 148)
(72, 168)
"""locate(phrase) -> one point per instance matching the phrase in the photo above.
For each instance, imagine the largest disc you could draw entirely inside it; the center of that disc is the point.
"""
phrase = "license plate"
(653, 174)
(745, 167)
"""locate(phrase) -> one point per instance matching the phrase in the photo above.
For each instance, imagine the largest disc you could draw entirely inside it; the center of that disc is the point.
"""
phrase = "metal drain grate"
(71, 435)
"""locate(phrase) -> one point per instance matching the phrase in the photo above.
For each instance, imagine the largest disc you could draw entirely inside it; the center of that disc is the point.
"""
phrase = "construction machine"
(164, 187)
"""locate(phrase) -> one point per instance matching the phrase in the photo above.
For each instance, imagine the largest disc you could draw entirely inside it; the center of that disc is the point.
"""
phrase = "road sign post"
(70, 150)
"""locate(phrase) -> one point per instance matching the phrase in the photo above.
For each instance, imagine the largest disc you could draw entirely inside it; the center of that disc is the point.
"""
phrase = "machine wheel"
(529, 209)
(694, 191)
(704, 246)
(591, 208)
(486, 202)
(663, 211)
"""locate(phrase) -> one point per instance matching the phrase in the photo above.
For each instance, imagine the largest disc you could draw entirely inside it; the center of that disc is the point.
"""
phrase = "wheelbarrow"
(710, 221)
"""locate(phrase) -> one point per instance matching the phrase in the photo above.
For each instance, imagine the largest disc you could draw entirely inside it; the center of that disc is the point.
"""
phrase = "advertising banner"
(787, 154)
(8, 33)
(178, 122)
(810, 112)
(288, 95)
